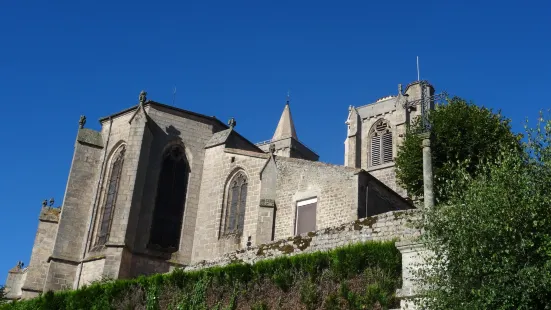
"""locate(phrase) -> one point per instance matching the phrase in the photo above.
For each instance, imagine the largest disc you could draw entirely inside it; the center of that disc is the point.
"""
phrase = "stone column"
(413, 255)
(428, 194)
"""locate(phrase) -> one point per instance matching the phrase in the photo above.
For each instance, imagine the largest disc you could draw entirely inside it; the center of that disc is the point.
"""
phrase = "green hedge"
(377, 265)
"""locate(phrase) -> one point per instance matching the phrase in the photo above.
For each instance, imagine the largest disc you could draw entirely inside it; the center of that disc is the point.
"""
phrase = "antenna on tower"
(418, 78)
(288, 96)
(174, 96)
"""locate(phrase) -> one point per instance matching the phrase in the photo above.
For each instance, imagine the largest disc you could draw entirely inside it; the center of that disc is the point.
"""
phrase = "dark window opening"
(236, 204)
(363, 202)
(306, 216)
(110, 198)
(170, 202)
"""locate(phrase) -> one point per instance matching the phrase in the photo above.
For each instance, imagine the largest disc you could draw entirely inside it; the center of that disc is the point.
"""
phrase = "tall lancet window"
(170, 202)
(380, 143)
(235, 204)
(111, 193)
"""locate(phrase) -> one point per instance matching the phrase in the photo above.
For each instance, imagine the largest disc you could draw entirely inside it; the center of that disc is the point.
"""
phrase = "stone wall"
(335, 187)
(275, 186)
(91, 271)
(395, 225)
(126, 130)
(360, 122)
(14, 282)
(77, 203)
(61, 275)
(172, 126)
(75, 215)
(387, 174)
(42, 249)
(220, 165)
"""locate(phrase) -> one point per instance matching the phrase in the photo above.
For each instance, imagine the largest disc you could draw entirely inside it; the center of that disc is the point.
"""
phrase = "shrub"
(225, 287)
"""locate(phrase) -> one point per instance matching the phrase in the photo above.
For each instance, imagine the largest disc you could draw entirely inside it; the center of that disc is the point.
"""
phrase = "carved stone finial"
(143, 96)
(272, 148)
(232, 123)
(51, 202)
(20, 264)
(82, 121)
(399, 89)
(44, 203)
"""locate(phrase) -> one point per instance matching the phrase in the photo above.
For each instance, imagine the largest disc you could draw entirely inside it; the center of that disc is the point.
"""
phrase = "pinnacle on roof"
(285, 127)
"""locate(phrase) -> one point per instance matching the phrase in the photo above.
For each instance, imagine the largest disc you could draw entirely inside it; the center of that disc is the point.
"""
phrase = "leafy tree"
(491, 242)
(461, 131)
(2, 294)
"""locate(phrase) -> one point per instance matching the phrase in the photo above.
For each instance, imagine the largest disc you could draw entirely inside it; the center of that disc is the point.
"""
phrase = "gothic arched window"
(111, 193)
(235, 204)
(380, 143)
(170, 202)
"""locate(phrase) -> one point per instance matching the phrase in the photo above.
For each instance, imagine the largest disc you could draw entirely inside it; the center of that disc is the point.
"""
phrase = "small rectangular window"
(306, 216)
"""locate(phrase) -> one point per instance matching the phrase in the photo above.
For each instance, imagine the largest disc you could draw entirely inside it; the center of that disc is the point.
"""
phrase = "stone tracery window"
(170, 201)
(380, 143)
(236, 202)
(111, 194)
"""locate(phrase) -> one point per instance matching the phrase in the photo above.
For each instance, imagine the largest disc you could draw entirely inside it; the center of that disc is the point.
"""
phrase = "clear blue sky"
(239, 58)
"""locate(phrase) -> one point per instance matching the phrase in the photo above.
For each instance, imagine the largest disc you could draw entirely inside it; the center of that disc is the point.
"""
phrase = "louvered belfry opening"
(170, 202)
(381, 143)
(111, 193)
(235, 204)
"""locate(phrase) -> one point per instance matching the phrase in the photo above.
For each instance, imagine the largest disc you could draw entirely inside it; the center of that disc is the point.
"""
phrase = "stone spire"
(285, 127)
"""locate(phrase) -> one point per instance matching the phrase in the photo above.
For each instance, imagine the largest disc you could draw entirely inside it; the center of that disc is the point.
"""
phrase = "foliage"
(377, 264)
(2, 294)
(461, 131)
(491, 243)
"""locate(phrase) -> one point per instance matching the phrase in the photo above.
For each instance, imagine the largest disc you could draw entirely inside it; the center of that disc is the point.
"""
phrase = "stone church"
(159, 187)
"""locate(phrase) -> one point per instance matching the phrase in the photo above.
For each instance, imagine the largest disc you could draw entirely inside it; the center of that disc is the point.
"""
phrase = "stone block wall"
(42, 250)
(91, 271)
(335, 187)
(146, 265)
(14, 282)
(220, 165)
(75, 213)
(61, 275)
(360, 122)
(387, 174)
(130, 135)
(77, 203)
(395, 225)
(169, 126)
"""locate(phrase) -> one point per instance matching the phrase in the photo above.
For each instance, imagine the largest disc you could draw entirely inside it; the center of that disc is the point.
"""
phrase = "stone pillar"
(42, 250)
(428, 194)
(14, 282)
(413, 255)
(267, 208)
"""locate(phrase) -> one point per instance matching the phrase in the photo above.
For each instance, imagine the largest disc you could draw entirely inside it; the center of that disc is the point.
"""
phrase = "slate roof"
(246, 153)
(219, 138)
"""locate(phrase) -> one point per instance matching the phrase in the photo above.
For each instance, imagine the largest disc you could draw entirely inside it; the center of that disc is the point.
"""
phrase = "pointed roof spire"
(285, 127)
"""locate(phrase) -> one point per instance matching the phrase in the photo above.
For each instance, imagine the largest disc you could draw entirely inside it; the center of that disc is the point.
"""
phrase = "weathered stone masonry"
(286, 191)
(394, 225)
